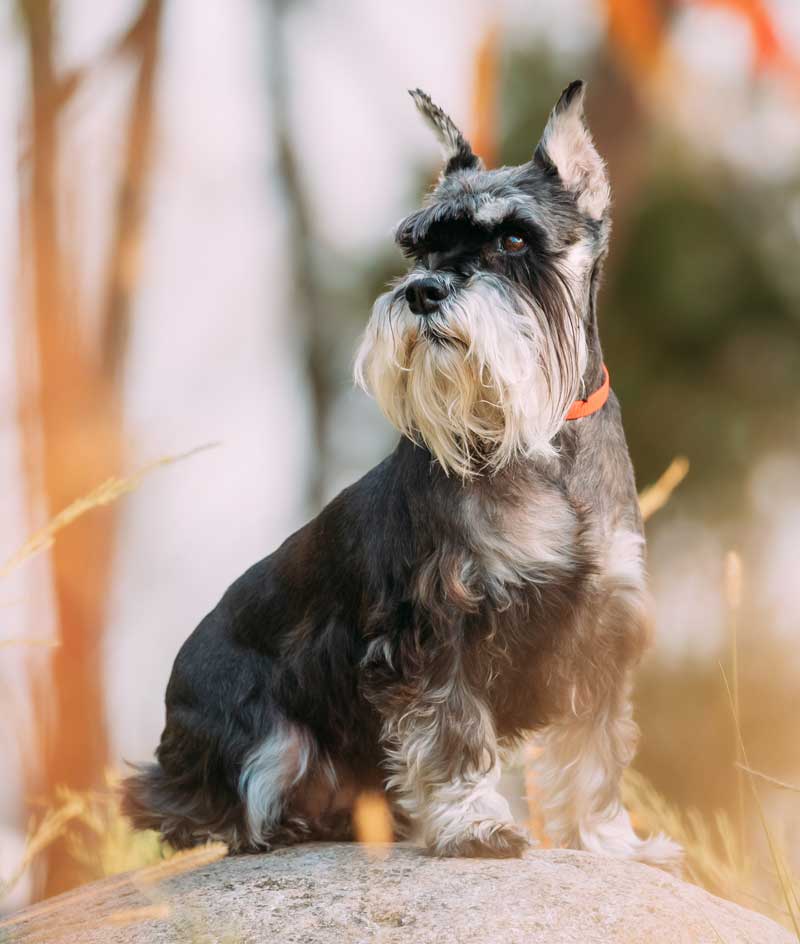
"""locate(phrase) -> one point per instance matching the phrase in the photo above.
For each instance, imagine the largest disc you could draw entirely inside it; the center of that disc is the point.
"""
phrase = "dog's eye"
(513, 242)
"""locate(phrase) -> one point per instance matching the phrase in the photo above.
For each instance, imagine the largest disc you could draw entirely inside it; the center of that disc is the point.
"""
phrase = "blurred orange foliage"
(636, 31)
(486, 71)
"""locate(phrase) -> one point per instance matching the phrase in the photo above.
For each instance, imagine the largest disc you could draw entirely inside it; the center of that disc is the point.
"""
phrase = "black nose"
(423, 295)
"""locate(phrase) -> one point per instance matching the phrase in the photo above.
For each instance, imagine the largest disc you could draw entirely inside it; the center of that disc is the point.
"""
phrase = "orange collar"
(594, 402)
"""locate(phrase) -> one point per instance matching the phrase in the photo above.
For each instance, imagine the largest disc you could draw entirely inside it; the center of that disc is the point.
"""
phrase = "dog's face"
(479, 350)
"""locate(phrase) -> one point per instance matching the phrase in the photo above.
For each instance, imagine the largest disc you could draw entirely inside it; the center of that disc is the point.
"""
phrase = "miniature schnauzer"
(482, 584)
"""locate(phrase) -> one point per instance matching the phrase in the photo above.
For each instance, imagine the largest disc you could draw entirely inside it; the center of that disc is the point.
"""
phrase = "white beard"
(496, 387)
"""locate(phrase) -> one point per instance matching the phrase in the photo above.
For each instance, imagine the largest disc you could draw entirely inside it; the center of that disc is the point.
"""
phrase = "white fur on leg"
(455, 806)
(276, 765)
(578, 774)
(464, 812)
(616, 837)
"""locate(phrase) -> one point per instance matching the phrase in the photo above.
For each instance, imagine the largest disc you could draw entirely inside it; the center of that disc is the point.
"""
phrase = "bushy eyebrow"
(456, 232)
(415, 235)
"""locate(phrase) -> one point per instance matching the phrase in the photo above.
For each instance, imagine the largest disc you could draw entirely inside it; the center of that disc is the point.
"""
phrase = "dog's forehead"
(484, 198)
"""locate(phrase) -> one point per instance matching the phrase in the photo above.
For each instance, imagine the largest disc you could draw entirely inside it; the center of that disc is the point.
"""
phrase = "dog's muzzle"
(424, 295)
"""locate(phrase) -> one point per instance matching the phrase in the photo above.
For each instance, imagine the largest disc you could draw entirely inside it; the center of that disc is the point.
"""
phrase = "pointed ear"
(457, 151)
(567, 149)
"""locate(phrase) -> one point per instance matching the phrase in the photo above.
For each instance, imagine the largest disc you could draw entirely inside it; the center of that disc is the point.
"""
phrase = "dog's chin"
(432, 334)
(436, 334)
(480, 384)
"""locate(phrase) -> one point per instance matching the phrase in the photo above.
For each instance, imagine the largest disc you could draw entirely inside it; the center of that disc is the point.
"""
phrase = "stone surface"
(326, 893)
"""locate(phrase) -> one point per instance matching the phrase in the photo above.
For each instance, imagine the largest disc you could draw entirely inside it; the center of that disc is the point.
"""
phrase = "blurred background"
(196, 215)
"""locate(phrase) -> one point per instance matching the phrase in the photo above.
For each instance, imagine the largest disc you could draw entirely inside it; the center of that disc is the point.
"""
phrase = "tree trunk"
(72, 428)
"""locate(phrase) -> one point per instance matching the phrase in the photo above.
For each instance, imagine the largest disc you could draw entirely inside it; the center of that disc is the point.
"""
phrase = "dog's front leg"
(579, 771)
(442, 754)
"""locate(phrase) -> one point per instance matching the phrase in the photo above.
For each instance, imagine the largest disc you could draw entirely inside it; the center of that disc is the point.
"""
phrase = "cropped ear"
(457, 151)
(567, 149)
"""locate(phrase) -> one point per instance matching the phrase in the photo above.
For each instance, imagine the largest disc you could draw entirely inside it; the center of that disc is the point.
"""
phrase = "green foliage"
(698, 317)
(703, 342)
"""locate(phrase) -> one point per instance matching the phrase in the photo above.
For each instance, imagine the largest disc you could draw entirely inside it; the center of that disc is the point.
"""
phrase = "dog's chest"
(542, 538)
(530, 538)
(561, 586)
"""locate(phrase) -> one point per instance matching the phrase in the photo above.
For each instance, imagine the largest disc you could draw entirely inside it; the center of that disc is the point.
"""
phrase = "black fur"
(394, 614)
(289, 637)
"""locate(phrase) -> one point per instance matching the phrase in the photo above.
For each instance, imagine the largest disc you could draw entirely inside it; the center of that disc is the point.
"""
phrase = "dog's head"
(480, 349)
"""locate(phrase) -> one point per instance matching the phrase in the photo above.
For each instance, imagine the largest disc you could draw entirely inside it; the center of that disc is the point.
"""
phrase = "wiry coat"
(483, 582)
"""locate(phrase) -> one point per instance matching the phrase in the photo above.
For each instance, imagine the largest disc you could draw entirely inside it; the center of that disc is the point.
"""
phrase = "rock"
(336, 893)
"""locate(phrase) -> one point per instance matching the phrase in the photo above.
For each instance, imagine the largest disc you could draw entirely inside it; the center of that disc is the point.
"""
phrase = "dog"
(483, 584)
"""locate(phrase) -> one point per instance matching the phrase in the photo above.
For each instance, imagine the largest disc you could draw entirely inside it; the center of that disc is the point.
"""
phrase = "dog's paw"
(487, 839)
(617, 838)
(663, 853)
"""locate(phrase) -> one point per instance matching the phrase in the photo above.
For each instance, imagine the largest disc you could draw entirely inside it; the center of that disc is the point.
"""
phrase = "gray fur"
(457, 151)
(482, 584)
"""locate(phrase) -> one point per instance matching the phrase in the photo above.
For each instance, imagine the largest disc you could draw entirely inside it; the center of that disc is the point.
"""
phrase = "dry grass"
(48, 642)
(100, 838)
(118, 848)
(655, 496)
(137, 915)
(782, 875)
(191, 920)
(104, 494)
(781, 872)
(772, 781)
(40, 835)
(372, 822)
(717, 856)
(180, 862)
(715, 859)
(102, 841)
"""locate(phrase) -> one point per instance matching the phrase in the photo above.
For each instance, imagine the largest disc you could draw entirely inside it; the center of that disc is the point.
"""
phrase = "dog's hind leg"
(272, 772)
(442, 755)
(291, 791)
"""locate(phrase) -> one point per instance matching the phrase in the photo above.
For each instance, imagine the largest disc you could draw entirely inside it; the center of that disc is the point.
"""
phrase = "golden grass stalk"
(714, 858)
(733, 602)
(52, 826)
(12, 641)
(106, 844)
(154, 912)
(782, 871)
(181, 862)
(772, 781)
(535, 821)
(116, 848)
(73, 805)
(372, 822)
(104, 494)
(655, 496)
